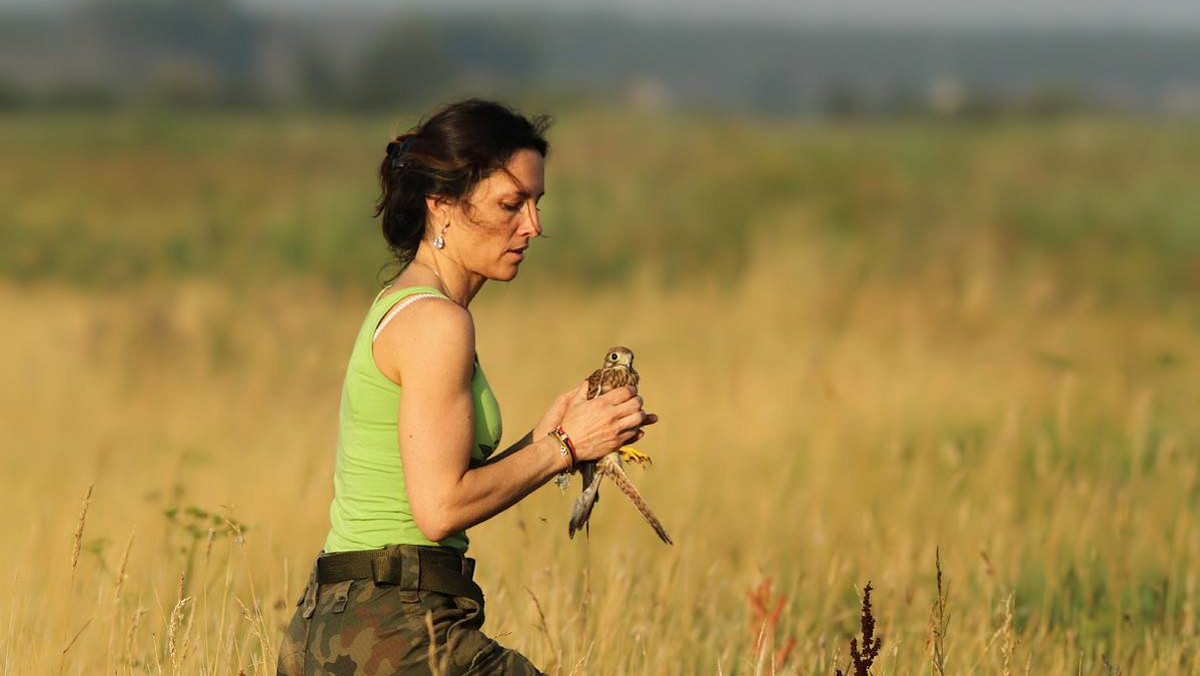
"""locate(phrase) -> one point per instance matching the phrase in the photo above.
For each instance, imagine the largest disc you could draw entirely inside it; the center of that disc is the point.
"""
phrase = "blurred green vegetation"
(967, 342)
(1101, 207)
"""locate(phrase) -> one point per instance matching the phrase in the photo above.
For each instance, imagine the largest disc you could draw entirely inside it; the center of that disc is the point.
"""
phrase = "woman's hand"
(554, 416)
(601, 425)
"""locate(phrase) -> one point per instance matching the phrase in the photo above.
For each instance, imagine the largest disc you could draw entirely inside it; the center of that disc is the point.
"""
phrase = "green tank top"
(370, 503)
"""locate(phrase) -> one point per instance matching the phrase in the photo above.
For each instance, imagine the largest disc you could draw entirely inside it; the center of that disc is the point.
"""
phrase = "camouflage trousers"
(362, 627)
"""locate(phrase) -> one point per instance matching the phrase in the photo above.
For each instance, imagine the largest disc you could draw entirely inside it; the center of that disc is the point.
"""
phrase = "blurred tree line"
(214, 53)
(218, 53)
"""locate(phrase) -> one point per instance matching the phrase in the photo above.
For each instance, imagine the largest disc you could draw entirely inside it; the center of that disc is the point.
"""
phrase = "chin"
(506, 274)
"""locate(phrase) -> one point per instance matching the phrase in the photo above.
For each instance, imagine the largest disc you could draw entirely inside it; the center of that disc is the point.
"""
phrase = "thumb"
(581, 392)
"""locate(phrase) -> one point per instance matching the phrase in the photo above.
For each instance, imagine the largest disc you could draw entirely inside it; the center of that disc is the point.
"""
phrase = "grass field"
(872, 346)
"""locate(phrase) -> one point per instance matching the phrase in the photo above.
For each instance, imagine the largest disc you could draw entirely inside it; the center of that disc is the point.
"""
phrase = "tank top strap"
(396, 301)
(405, 290)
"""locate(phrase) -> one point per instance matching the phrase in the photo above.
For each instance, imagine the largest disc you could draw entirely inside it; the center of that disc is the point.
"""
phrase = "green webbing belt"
(409, 567)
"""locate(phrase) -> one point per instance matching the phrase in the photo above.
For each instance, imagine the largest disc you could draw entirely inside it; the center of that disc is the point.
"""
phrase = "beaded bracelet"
(565, 440)
(567, 449)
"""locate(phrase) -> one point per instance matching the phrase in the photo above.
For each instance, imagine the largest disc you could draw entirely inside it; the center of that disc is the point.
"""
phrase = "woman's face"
(491, 237)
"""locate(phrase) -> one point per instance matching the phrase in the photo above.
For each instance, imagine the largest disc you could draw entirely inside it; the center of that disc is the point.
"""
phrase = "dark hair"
(447, 155)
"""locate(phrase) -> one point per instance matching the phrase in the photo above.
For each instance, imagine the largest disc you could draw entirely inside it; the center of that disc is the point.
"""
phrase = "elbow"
(436, 509)
(435, 534)
(434, 526)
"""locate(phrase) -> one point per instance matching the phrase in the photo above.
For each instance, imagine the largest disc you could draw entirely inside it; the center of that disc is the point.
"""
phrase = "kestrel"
(616, 372)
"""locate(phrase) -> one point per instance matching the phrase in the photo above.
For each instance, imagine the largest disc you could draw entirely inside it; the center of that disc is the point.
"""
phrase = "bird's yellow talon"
(631, 454)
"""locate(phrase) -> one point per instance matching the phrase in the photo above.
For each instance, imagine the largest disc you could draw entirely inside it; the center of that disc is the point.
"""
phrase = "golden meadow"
(878, 349)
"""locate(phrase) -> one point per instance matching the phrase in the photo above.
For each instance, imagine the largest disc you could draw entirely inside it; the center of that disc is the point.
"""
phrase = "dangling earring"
(438, 242)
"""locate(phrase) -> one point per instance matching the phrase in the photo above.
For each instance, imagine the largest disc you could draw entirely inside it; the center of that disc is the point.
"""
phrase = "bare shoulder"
(436, 315)
(430, 334)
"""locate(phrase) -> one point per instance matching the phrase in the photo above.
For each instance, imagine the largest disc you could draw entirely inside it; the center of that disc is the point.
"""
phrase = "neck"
(457, 282)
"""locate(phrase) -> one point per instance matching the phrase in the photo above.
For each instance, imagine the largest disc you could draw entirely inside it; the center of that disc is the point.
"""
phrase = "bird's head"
(619, 356)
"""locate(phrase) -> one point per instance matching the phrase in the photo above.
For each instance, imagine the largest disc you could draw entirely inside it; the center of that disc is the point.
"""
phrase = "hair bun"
(397, 149)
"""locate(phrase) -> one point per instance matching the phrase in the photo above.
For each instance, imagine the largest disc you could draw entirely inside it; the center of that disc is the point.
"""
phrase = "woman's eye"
(513, 207)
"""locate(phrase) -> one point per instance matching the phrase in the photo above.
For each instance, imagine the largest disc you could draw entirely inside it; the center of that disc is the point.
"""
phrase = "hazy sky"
(1061, 13)
(1146, 13)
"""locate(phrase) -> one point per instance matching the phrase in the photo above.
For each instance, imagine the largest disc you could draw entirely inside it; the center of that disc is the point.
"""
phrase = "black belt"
(409, 567)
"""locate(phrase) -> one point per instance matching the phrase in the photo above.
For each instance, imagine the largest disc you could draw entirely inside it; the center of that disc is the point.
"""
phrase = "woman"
(459, 207)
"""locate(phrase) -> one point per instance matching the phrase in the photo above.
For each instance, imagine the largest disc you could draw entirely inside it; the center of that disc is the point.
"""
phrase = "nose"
(532, 224)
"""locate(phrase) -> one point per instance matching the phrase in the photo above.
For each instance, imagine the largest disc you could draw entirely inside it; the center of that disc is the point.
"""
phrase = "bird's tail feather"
(613, 471)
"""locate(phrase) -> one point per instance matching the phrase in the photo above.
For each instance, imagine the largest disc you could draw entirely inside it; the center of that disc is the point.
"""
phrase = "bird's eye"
(613, 356)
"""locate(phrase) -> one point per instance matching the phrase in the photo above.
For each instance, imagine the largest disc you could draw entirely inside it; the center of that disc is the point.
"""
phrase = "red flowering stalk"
(764, 623)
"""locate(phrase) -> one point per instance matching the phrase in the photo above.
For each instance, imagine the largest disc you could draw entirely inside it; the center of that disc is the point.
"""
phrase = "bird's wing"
(587, 469)
(581, 511)
(587, 472)
(609, 466)
(595, 383)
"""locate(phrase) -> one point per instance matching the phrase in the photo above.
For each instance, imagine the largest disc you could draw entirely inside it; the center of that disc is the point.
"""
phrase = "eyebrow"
(525, 193)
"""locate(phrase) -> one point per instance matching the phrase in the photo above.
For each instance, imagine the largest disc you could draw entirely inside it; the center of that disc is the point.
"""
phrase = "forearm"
(485, 491)
(517, 445)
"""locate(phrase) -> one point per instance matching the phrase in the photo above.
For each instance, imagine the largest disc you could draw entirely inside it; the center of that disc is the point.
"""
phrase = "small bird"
(617, 371)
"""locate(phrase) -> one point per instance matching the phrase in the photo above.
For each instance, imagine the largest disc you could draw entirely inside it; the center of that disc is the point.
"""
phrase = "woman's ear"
(438, 209)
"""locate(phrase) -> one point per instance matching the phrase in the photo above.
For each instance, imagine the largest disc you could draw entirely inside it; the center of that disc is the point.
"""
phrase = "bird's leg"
(631, 454)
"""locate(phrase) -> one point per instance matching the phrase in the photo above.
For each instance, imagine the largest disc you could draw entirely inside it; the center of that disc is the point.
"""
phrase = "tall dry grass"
(818, 427)
(960, 363)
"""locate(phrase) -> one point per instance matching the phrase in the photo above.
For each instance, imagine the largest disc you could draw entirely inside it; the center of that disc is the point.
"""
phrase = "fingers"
(632, 421)
(632, 404)
(631, 435)
(629, 414)
(620, 394)
(606, 422)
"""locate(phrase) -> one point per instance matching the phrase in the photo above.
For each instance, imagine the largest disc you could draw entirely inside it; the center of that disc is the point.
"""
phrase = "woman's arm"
(433, 353)
(517, 445)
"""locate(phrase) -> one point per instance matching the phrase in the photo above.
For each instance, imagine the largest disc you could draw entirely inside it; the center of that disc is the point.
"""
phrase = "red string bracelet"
(565, 440)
